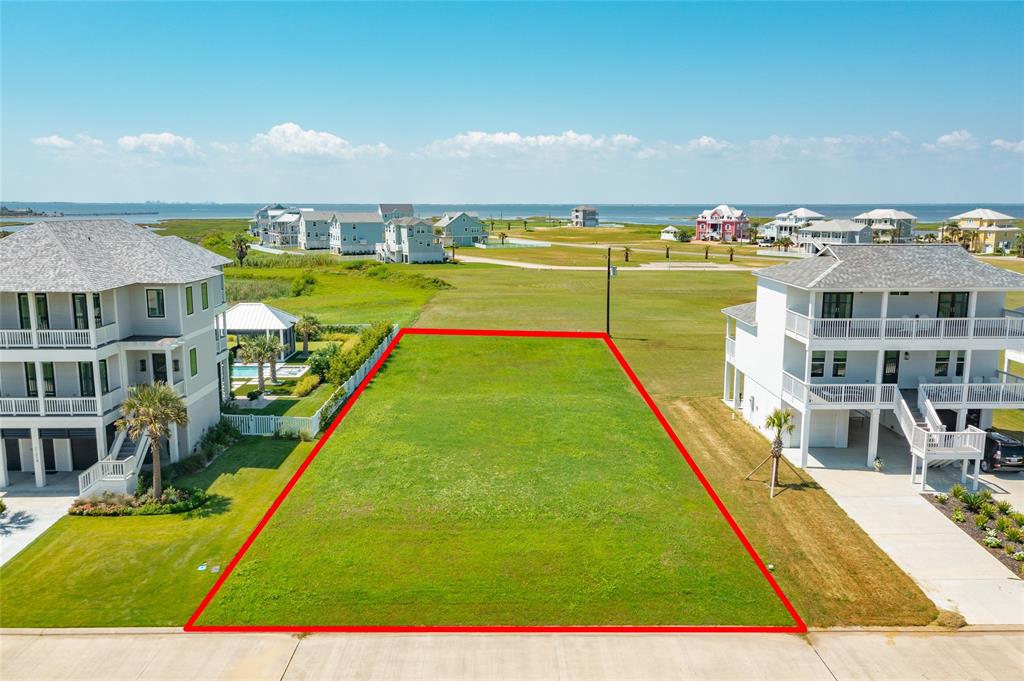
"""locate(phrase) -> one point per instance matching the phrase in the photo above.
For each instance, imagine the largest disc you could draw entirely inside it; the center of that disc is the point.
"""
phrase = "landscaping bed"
(994, 525)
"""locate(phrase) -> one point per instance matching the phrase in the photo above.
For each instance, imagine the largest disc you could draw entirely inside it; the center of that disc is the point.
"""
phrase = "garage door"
(83, 453)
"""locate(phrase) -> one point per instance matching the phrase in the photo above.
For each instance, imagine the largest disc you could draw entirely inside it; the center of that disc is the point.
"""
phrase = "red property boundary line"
(798, 627)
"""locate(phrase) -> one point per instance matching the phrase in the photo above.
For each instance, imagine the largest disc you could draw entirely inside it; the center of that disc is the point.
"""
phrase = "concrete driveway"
(948, 565)
(32, 510)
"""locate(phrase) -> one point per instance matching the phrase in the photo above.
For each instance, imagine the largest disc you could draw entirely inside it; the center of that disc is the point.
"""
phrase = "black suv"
(1002, 452)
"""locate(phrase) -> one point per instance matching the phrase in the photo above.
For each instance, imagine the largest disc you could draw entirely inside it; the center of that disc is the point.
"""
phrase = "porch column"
(880, 367)
(172, 443)
(725, 382)
(3, 464)
(90, 312)
(122, 367)
(284, 348)
(33, 318)
(961, 419)
(736, 388)
(37, 458)
(924, 471)
(170, 367)
(805, 437)
(101, 441)
(884, 315)
(97, 388)
(972, 308)
(41, 387)
(812, 299)
(974, 480)
(873, 437)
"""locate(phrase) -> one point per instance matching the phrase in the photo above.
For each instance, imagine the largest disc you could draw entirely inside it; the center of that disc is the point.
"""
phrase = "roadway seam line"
(291, 657)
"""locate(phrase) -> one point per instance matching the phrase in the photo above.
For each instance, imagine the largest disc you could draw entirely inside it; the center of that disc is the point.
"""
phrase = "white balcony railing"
(58, 338)
(59, 406)
(899, 328)
(222, 344)
(879, 395)
(730, 347)
(1007, 393)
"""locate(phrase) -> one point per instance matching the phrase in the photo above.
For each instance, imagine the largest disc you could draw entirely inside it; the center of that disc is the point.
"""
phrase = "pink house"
(722, 223)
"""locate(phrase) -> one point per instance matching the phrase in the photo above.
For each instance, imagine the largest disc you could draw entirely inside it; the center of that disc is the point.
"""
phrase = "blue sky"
(529, 102)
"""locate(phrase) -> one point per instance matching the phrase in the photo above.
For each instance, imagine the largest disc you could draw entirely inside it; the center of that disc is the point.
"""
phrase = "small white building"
(314, 229)
(260, 319)
(670, 233)
(814, 236)
(583, 216)
(356, 233)
(788, 224)
(390, 211)
(889, 226)
(410, 240)
(906, 337)
(461, 229)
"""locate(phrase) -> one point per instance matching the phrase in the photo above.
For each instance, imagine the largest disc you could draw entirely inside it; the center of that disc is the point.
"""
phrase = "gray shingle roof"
(97, 255)
(903, 267)
(410, 222)
(318, 214)
(389, 207)
(747, 312)
(359, 217)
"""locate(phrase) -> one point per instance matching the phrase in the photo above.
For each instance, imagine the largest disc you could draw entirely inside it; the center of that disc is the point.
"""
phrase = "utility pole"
(608, 297)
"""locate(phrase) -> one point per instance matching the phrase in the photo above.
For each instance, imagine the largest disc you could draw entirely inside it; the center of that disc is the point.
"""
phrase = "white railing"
(15, 338)
(120, 473)
(19, 406)
(872, 394)
(106, 334)
(1009, 393)
(69, 406)
(63, 338)
(59, 338)
(900, 328)
(260, 424)
(927, 409)
(916, 436)
(730, 347)
(222, 344)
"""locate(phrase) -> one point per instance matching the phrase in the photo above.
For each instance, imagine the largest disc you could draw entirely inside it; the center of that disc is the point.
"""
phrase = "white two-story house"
(356, 233)
(787, 225)
(889, 225)
(314, 229)
(87, 309)
(410, 240)
(460, 229)
(259, 225)
(820, 233)
(907, 337)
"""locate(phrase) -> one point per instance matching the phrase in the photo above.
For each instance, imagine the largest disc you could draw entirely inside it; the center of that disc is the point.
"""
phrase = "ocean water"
(680, 214)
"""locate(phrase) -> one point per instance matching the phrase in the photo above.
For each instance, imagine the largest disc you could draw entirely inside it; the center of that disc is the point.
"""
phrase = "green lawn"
(142, 571)
(498, 481)
(287, 405)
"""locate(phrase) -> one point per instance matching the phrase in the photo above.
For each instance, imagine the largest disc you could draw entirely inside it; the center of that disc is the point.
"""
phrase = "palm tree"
(240, 243)
(308, 325)
(954, 233)
(150, 409)
(784, 243)
(251, 349)
(780, 420)
(272, 347)
(732, 252)
(502, 236)
(707, 249)
(1020, 241)
(626, 250)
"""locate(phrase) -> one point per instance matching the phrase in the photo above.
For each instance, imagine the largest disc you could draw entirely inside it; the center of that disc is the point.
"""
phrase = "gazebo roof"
(257, 317)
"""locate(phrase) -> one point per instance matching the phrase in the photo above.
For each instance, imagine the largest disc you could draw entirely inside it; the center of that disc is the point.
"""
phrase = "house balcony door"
(159, 367)
(891, 367)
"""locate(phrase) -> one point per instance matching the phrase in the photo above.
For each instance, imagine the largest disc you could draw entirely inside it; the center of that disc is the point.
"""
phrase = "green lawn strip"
(295, 406)
(142, 570)
(498, 481)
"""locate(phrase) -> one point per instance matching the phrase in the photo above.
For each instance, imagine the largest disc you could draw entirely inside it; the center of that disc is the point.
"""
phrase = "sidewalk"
(32, 510)
(824, 656)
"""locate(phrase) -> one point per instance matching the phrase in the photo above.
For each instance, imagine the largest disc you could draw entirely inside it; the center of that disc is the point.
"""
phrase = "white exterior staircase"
(929, 440)
(118, 471)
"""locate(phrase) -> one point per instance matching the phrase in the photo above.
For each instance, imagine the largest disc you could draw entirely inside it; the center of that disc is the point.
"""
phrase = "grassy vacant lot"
(498, 481)
(669, 327)
(142, 571)
(597, 257)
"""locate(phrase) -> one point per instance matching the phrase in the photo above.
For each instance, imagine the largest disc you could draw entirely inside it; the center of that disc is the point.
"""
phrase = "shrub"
(320, 360)
(991, 540)
(958, 515)
(972, 501)
(3, 507)
(253, 395)
(255, 290)
(1019, 555)
(957, 491)
(1004, 507)
(942, 498)
(981, 520)
(990, 510)
(343, 365)
(1014, 534)
(303, 284)
(1018, 518)
(173, 500)
(985, 494)
(306, 385)
(1002, 523)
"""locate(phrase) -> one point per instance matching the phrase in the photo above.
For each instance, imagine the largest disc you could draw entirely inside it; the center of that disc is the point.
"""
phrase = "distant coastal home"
(670, 233)
(788, 224)
(390, 211)
(583, 216)
(816, 235)
(409, 240)
(460, 229)
(722, 223)
(988, 230)
(356, 233)
(889, 226)
(315, 229)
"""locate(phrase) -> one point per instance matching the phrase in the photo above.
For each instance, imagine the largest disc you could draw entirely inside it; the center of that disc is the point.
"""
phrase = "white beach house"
(670, 233)
(461, 229)
(356, 233)
(259, 225)
(87, 309)
(315, 229)
(889, 225)
(410, 240)
(788, 224)
(814, 236)
(390, 211)
(907, 337)
(583, 216)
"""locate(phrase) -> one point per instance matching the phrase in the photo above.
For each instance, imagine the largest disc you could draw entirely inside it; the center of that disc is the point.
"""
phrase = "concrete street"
(833, 655)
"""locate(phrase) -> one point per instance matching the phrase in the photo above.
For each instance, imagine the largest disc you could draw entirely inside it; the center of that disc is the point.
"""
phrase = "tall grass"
(256, 290)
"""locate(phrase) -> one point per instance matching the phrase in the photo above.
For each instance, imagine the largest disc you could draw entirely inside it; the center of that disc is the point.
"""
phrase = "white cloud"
(291, 139)
(82, 141)
(1008, 145)
(708, 144)
(476, 143)
(160, 144)
(830, 147)
(958, 140)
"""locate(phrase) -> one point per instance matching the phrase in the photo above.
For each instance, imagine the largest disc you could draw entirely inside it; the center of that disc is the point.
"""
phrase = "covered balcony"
(870, 331)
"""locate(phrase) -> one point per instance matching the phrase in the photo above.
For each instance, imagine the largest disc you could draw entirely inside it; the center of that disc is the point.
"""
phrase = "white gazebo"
(670, 233)
(258, 319)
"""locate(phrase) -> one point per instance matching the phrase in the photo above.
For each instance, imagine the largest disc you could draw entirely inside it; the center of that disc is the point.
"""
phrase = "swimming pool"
(283, 370)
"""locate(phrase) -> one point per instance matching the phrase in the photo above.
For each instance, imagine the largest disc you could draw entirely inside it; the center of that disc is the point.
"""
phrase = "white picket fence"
(257, 424)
